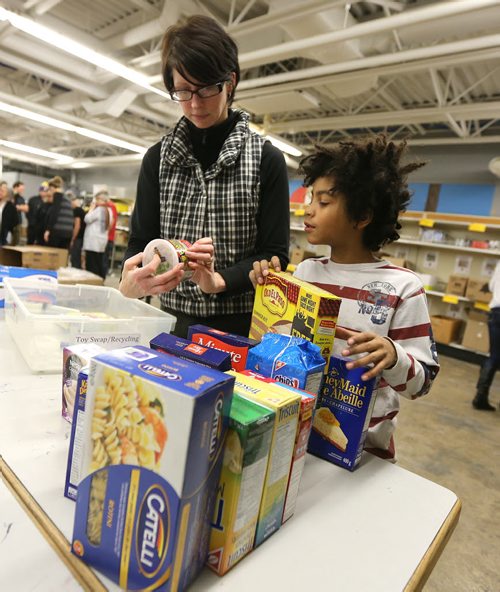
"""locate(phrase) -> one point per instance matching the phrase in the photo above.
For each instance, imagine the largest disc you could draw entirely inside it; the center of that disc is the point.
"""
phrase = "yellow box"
(286, 404)
(285, 304)
(244, 466)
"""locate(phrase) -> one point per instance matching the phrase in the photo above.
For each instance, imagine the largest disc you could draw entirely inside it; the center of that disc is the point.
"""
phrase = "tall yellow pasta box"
(286, 405)
(152, 450)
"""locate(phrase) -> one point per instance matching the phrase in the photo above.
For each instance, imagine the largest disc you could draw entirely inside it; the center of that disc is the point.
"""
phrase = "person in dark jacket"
(34, 205)
(8, 215)
(211, 181)
(60, 219)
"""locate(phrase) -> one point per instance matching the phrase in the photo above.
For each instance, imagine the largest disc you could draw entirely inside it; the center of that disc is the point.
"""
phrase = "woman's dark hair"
(200, 50)
(372, 179)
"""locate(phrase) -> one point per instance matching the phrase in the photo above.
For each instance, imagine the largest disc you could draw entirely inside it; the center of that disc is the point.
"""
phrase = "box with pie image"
(343, 411)
(285, 304)
(244, 465)
(152, 452)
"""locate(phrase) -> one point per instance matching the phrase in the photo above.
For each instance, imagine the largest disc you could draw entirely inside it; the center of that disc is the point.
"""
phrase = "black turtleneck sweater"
(207, 144)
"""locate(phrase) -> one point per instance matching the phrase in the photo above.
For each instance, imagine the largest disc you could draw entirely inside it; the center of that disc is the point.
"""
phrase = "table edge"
(433, 553)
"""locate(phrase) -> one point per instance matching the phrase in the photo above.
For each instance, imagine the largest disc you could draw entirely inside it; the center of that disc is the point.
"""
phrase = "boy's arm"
(417, 363)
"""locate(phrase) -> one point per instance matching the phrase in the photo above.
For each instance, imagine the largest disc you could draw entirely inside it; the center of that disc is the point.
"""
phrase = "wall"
(31, 182)
(118, 176)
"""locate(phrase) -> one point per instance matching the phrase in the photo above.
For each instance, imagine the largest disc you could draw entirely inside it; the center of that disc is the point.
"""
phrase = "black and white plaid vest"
(221, 202)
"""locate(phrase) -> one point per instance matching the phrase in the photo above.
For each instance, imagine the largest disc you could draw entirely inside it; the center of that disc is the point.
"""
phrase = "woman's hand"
(261, 269)
(378, 350)
(138, 282)
(201, 262)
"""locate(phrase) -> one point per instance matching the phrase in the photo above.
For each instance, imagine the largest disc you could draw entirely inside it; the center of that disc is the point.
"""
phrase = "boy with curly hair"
(358, 191)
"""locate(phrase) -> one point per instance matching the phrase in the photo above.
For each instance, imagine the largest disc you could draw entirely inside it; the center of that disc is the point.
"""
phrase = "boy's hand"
(261, 269)
(379, 351)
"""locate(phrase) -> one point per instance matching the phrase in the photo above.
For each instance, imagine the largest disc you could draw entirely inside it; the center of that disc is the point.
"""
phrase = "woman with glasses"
(211, 181)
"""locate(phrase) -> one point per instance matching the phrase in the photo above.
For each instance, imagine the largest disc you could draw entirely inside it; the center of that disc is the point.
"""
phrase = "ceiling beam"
(378, 119)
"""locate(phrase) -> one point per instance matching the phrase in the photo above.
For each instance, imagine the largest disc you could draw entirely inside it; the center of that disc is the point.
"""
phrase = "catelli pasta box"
(286, 405)
(153, 440)
(246, 454)
(285, 304)
(342, 415)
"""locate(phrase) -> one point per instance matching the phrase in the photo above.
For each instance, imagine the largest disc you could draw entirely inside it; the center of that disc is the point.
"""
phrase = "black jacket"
(8, 221)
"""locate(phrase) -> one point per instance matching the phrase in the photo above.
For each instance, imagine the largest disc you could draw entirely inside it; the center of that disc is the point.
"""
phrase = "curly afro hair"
(372, 179)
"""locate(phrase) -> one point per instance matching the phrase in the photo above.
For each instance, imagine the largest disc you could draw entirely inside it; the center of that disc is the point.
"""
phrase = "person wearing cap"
(34, 204)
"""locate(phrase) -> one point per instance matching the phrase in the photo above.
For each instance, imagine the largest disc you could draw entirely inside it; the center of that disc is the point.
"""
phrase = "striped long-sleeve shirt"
(389, 301)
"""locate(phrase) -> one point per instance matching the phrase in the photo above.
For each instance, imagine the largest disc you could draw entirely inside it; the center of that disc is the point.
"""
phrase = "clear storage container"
(44, 318)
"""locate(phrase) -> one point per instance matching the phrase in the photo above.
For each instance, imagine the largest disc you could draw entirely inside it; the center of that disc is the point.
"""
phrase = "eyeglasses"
(204, 93)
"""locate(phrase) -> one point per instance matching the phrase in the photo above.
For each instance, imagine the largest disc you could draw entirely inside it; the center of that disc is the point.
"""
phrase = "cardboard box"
(34, 256)
(456, 285)
(72, 275)
(343, 413)
(152, 453)
(285, 304)
(399, 262)
(296, 256)
(189, 350)
(478, 291)
(476, 336)
(244, 466)
(445, 329)
(286, 404)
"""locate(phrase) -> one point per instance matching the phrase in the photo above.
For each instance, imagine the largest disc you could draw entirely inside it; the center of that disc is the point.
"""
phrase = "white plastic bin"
(44, 318)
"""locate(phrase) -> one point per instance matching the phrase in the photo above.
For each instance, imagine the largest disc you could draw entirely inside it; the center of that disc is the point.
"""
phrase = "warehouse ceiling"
(313, 71)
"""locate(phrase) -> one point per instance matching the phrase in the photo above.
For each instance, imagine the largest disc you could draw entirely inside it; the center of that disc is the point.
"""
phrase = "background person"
(59, 223)
(359, 189)
(492, 363)
(95, 236)
(34, 204)
(78, 233)
(22, 209)
(111, 236)
(212, 179)
(8, 215)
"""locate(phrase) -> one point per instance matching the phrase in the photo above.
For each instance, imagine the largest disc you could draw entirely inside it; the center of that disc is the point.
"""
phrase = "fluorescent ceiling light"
(79, 50)
(284, 146)
(83, 131)
(279, 143)
(61, 158)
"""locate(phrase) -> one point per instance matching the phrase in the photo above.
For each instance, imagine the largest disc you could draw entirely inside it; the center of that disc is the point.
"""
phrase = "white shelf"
(418, 243)
(441, 294)
(455, 223)
(299, 228)
(463, 348)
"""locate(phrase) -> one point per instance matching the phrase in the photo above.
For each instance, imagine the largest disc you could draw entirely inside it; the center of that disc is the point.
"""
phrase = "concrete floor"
(441, 437)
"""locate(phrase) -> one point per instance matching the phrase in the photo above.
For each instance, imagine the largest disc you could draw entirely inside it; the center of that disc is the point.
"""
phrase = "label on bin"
(108, 340)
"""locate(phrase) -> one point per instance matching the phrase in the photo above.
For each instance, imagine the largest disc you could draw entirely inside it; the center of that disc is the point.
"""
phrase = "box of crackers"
(285, 304)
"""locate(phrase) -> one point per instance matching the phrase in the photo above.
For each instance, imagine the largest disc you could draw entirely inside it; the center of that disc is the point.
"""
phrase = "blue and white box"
(9, 271)
(153, 441)
(343, 412)
(74, 466)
